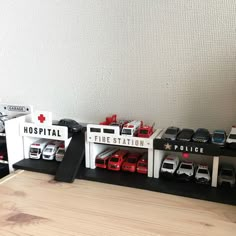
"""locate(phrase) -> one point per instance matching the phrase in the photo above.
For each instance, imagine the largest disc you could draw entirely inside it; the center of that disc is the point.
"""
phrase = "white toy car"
(202, 175)
(185, 171)
(231, 140)
(50, 150)
(169, 166)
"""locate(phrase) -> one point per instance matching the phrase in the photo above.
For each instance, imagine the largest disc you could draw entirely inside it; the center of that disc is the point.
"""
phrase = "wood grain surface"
(34, 204)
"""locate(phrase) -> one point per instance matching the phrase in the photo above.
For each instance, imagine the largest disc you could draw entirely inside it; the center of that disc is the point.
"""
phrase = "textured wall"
(172, 62)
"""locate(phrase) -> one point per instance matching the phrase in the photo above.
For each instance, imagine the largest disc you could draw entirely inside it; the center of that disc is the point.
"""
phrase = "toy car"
(201, 135)
(231, 140)
(109, 120)
(169, 166)
(145, 131)
(60, 153)
(73, 126)
(171, 133)
(49, 152)
(120, 124)
(227, 176)
(130, 163)
(185, 135)
(219, 137)
(131, 129)
(142, 165)
(185, 171)
(202, 175)
(102, 158)
(37, 147)
(116, 160)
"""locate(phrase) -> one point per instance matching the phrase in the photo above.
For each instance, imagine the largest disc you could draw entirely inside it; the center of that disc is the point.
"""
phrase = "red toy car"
(102, 158)
(142, 165)
(116, 160)
(145, 131)
(130, 163)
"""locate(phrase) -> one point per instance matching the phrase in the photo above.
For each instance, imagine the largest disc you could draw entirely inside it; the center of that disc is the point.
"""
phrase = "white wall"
(172, 62)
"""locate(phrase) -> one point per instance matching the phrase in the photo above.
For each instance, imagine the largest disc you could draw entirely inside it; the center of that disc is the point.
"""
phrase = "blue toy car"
(219, 137)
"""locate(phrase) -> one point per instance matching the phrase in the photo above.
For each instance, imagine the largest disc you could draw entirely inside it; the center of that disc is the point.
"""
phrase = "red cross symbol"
(41, 118)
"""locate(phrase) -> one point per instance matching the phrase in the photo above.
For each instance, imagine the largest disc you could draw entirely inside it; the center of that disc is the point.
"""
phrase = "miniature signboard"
(44, 131)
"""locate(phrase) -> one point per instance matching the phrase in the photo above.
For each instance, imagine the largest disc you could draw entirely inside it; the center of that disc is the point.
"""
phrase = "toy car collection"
(201, 135)
(202, 175)
(130, 164)
(185, 171)
(219, 137)
(101, 160)
(171, 133)
(116, 159)
(47, 149)
(227, 176)
(185, 135)
(130, 128)
(142, 165)
(37, 148)
(169, 166)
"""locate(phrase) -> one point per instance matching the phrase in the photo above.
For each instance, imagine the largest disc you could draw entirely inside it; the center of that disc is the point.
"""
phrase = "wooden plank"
(35, 204)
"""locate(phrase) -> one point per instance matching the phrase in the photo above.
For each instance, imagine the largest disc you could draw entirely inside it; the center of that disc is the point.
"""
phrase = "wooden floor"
(34, 204)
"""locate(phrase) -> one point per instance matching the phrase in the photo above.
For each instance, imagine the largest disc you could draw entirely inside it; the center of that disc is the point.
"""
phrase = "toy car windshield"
(185, 166)
(227, 172)
(203, 171)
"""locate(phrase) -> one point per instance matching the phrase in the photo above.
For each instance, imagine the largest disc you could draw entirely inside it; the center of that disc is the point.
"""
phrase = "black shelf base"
(224, 195)
(40, 166)
(4, 170)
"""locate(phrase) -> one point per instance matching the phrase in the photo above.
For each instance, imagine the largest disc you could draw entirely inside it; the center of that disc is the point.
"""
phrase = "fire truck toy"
(102, 158)
(145, 131)
(117, 159)
(131, 129)
(109, 120)
(142, 165)
(130, 163)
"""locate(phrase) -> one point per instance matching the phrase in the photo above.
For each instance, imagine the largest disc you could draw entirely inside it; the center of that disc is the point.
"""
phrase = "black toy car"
(73, 126)
(201, 135)
(185, 135)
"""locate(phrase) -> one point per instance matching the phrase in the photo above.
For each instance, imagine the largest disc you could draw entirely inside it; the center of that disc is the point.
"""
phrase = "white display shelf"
(18, 141)
(96, 142)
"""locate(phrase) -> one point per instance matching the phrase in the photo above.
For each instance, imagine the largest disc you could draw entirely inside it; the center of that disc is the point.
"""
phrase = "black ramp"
(71, 162)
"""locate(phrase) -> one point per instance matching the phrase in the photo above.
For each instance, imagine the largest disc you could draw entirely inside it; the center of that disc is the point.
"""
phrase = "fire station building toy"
(124, 134)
